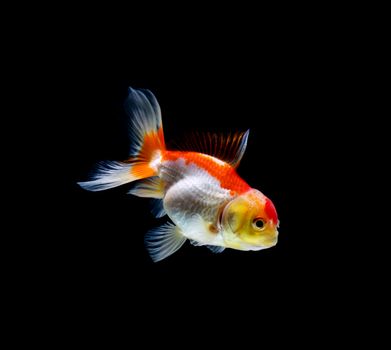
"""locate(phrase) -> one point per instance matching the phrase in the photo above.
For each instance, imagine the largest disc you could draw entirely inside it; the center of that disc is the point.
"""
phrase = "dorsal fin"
(228, 148)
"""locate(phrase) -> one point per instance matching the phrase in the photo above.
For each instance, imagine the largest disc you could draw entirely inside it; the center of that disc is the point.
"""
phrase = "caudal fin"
(147, 144)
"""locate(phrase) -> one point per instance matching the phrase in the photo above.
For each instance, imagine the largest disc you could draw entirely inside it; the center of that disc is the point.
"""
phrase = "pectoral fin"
(215, 248)
(163, 241)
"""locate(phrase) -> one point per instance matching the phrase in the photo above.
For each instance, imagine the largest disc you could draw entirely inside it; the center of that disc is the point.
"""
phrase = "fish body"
(200, 191)
(195, 197)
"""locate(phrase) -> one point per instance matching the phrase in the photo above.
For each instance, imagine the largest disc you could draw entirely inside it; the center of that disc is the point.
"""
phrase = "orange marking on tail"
(223, 172)
(153, 141)
(142, 171)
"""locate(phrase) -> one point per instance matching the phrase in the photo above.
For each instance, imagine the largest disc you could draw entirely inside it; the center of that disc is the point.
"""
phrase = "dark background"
(290, 83)
(284, 99)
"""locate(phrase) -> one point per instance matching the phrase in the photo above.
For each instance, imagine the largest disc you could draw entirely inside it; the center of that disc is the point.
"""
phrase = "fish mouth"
(260, 245)
(274, 239)
(270, 242)
(264, 246)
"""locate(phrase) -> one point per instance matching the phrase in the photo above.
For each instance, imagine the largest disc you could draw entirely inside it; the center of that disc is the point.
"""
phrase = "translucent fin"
(157, 208)
(163, 241)
(229, 148)
(147, 144)
(146, 130)
(152, 187)
(108, 174)
(215, 248)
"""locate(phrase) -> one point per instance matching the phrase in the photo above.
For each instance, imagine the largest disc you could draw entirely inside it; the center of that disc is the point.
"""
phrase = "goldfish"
(208, 203)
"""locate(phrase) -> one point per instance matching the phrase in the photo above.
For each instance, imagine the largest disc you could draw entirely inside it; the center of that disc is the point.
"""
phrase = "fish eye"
(258, 224)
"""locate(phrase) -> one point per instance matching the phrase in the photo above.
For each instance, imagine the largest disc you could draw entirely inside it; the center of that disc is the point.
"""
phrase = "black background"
(283, 101)
(288, 82)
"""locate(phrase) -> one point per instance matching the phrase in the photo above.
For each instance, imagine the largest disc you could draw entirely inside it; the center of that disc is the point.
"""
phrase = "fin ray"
(229, 148)
(107, 175)
(145, 120)
(157, 208)
(151, 187)
(163, 241)
(215, 249)
(147, 144)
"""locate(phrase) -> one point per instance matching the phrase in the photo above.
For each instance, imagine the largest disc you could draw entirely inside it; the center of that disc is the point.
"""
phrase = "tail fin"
(146, 132)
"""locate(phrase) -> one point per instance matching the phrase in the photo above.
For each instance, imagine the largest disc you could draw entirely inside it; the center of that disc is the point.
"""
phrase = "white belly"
(194, 200)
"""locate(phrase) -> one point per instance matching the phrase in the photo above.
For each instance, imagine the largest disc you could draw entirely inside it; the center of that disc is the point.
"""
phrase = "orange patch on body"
(223, 172)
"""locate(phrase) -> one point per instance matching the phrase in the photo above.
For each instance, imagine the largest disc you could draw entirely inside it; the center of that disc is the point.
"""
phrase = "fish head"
(250, 222)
